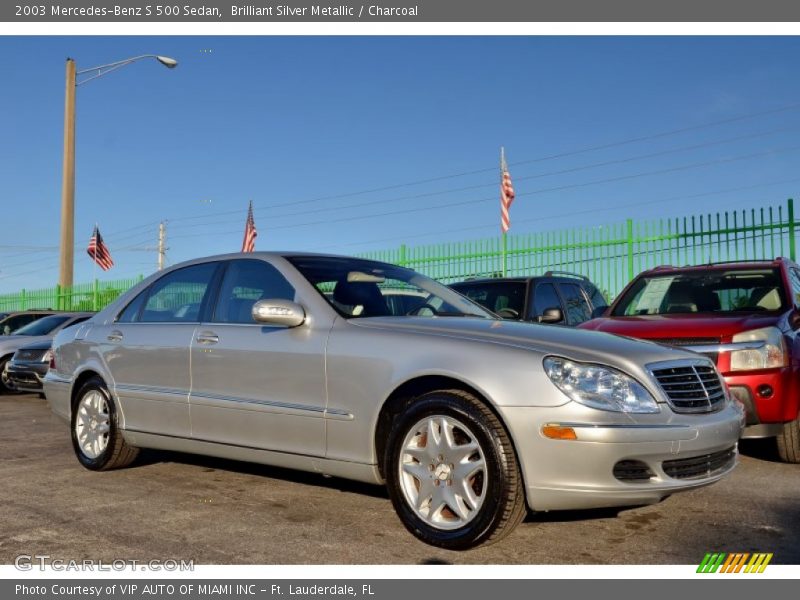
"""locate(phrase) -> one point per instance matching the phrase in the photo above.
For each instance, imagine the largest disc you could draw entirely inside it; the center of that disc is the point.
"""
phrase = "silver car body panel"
(310, 397)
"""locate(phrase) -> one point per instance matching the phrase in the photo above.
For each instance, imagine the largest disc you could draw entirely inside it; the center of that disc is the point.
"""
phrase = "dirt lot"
(175, 506)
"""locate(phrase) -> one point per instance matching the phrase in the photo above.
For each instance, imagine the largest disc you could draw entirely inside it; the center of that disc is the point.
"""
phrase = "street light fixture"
(66, 261)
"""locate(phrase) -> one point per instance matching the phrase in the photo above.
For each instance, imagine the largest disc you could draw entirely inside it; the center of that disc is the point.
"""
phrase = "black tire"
(503, 505)
(5, 386)
(117, 452)
(789, 442)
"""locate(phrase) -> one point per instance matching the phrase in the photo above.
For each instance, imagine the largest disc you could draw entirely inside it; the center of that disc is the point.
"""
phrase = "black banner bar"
(175, 11)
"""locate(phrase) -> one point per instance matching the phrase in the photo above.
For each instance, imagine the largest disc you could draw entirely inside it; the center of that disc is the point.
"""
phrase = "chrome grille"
(691, 388)
(699, 467)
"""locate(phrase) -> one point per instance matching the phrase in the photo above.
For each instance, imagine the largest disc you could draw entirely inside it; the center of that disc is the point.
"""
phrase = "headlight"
(599, 387)
(47, 356)
(771, 354)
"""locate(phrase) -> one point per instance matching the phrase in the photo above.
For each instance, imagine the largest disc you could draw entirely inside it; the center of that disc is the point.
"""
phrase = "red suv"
(745, 316)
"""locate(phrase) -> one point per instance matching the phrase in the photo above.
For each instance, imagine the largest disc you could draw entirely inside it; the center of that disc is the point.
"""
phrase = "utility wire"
(530, 193)
(516, 179)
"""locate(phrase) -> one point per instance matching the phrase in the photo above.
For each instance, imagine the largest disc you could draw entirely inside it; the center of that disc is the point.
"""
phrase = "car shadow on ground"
(150, 457)
(763, 449)
(567, 516)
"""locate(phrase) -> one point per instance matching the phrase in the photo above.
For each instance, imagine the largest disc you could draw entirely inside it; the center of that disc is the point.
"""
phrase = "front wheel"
(452, 472)
(5, 383)
(789, 442)
(96, 439)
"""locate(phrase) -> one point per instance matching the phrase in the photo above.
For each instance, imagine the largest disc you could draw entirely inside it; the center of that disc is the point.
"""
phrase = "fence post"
(95, 295)
(629, 224)
(23, 303)
(790, 207)
(402, 255)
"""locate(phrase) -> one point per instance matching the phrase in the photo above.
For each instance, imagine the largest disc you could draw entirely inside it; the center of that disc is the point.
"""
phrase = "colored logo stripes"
(735, 562)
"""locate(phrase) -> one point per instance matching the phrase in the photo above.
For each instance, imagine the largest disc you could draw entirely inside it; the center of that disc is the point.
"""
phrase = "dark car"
(40, 330)
(29, 365)
(745, 316)
(556, 297)
(13, 321)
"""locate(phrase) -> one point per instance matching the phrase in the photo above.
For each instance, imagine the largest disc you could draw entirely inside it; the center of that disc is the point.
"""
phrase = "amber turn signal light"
(557, 432)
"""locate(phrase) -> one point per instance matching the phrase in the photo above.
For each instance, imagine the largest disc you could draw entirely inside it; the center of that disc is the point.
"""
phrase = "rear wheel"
(96, 439)
(789, 442)
(452, 472)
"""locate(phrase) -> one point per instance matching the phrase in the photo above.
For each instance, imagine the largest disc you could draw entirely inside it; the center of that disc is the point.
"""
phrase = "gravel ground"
(176, 506)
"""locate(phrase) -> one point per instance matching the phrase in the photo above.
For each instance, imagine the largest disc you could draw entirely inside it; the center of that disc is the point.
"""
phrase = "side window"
(245, 282)
(14, 323)
(78, 320)
(131, 312)
(595, 296)
(178, 296)
(794, 278)
(577, 307)
(544, 297)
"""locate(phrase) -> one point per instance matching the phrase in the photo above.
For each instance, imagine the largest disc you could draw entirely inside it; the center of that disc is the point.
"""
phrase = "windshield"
(708, 291)
(42, 326)
(497, 296)
(359, 288)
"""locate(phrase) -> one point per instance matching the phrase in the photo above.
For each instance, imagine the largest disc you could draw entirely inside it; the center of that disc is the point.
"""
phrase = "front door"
(255, 385)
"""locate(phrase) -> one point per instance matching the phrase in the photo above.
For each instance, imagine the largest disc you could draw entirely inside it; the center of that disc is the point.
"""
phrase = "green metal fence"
(87, 296)
(610, 255)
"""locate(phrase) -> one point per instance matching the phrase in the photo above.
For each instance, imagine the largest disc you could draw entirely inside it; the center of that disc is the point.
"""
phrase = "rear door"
(147, 350)
(255, 385)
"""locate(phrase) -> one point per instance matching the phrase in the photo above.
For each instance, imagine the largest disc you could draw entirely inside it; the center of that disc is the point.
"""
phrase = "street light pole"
(68, 183)
(67, 245)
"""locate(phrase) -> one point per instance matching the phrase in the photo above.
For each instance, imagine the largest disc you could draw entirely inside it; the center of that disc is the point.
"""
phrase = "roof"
(741, 264)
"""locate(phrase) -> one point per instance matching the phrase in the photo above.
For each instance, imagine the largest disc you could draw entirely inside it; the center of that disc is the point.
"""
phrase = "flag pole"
(505, 237)
(94, 271)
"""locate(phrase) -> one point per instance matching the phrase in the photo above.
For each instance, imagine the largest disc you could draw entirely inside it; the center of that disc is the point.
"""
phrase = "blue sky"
(307, 126)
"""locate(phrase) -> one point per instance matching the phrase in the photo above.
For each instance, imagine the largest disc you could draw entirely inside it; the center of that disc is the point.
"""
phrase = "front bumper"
(766, 412)
(580, 474)
(27, 377)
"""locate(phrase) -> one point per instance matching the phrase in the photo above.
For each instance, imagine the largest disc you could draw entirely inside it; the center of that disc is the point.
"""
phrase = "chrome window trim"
(729, 347)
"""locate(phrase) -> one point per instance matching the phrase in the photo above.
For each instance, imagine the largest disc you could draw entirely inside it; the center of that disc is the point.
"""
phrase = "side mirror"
(279, 312)
(599, 311)
(794, 318)
(551, 315)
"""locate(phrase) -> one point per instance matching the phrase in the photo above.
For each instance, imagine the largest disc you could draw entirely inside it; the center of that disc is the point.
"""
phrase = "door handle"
(115, 336)
(207, 337)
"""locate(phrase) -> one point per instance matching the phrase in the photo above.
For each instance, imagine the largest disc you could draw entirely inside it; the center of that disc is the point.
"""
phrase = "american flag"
(99, 251)
(250, 233)
(506, 195)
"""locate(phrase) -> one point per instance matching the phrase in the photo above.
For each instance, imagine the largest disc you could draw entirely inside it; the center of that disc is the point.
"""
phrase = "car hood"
(681, 326)
(12, 343)
(572, 343)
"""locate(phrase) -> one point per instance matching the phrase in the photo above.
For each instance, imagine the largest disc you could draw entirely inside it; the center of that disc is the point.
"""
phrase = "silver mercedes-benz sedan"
(299, 360)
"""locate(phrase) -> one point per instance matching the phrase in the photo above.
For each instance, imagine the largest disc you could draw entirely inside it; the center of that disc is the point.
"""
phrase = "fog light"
(557, 432)
(764, 391)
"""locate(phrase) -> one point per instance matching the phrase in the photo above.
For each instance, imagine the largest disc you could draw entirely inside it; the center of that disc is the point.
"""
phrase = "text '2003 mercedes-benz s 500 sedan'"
(311, 362)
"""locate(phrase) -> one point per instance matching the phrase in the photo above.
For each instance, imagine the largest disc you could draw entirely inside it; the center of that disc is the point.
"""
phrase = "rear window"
(707, 291)
(496, 296)
(43, 326)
